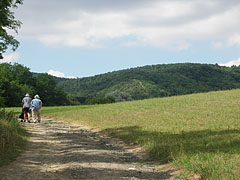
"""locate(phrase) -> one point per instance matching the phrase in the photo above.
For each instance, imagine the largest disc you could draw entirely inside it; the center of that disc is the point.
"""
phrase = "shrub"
(99, 100)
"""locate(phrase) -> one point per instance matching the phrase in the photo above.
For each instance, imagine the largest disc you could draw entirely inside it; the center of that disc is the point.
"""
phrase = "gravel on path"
(64, 151)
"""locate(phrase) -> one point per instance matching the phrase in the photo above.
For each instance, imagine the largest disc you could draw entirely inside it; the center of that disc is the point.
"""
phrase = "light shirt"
(26, 102)
(36, 103)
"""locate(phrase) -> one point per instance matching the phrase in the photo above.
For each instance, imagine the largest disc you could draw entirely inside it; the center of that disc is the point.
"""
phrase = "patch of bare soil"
(64, 151)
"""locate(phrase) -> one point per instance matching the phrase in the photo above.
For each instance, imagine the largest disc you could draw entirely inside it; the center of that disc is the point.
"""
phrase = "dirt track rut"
(63, 151)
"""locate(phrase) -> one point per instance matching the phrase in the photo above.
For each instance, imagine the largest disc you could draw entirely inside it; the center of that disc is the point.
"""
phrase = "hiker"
(36, 105)
(26, 103)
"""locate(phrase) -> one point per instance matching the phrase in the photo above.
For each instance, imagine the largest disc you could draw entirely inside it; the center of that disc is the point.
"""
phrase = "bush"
(1, 102)
(99, 100)
(119, 96)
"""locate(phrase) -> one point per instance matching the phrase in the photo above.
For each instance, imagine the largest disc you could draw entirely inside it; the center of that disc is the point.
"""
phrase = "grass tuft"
(13, 137)
(209, 165)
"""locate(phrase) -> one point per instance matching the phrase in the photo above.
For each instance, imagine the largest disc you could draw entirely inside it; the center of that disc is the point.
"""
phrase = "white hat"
(36, 96)
(27, 95)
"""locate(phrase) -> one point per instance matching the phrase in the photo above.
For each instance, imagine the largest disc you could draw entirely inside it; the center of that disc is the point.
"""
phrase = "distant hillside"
(154, 81)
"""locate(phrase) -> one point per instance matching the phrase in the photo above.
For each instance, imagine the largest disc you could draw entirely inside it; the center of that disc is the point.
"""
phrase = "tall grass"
(12, 137)
(198, 132)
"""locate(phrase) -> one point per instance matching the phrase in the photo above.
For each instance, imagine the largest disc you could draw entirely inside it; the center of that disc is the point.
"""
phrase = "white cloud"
(55, 73)
(231, 63)
(59, 74)
(71, 77)
(218, 45)
(234, 40)
(165, 24)
(10, 58)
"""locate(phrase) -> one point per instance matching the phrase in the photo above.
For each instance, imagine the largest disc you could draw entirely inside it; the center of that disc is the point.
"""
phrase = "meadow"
(199, 133)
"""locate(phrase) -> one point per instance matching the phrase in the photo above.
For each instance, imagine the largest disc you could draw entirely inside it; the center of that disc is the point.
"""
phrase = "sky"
(79, 38)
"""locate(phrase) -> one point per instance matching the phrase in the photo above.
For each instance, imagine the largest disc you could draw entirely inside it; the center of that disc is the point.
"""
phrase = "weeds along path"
(63, 151)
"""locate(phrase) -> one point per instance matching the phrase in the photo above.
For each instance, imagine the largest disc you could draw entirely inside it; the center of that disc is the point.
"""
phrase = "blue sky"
(78, 38)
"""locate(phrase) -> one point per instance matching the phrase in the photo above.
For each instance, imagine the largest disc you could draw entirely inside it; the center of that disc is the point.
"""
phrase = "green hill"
(154, 81)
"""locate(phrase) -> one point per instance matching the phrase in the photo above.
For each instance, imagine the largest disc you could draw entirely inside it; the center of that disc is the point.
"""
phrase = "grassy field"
(199, 133)
(13, 138)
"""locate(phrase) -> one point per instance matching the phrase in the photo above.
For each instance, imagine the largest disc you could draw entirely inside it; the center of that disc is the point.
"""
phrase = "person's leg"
(34, 114)
(29, 115)
(39, 115)
(24, 114)
(24, 117)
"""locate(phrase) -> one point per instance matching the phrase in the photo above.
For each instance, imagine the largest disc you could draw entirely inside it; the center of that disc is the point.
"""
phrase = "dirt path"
(63, 151)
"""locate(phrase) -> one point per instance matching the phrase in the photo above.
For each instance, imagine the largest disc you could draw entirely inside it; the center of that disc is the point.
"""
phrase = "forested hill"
(154, 81)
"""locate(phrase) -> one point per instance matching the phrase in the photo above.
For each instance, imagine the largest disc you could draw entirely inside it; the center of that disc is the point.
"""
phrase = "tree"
(49, 93)
(16, 80)
(8, 21)
(14, 83)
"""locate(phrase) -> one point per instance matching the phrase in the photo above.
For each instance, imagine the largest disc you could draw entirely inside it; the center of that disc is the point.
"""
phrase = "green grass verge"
(199, 133)
(13, 137)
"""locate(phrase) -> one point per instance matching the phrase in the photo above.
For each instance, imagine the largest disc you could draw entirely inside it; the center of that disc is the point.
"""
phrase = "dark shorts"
(26, 110)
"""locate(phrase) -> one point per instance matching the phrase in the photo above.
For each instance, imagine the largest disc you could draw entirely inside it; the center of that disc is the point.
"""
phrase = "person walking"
(26, 103)
(36, 105)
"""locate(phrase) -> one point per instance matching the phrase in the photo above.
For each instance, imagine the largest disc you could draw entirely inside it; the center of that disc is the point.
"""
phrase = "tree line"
(154, 81)
(16, 80)
(130, 84)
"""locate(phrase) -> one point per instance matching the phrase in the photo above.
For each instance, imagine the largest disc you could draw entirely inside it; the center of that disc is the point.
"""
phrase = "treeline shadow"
(165, 146)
